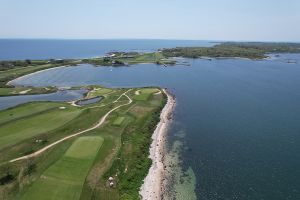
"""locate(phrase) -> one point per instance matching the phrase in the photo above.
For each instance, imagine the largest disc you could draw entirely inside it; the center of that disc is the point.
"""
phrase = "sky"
(238, 20)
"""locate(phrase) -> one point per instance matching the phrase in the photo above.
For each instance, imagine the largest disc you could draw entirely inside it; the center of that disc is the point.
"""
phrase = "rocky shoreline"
(155, 181)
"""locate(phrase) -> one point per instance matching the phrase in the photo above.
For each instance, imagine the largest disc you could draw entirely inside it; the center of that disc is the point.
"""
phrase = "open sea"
(236, 126)
(20, 49)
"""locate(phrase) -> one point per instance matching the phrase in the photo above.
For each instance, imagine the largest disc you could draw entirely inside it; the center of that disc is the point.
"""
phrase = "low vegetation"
(65, 178)
(130, 58)
(6, 65)
(79, 168)
(35, 124)
(119, 121)
(251, 50)
(96, 91)
(143, 95)
(13, 91)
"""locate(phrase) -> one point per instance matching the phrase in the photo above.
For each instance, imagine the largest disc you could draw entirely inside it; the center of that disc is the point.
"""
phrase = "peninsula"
(251, 50)
(61, 150)
(71, 150)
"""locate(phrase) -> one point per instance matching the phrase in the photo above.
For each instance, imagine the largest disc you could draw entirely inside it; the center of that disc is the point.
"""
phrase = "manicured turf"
(65, 178)
(144, 94)
(27, 127)
(8, 91)
(150, 57)
(145, 58)
(25, 90)
(26, 110)
(149, 90)
(98, 92)
(84, 147)
(119, 121)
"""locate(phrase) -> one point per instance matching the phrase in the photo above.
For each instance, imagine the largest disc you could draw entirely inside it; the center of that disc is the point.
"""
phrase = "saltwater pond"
(61, 95)
(84, 102)
(237, 120)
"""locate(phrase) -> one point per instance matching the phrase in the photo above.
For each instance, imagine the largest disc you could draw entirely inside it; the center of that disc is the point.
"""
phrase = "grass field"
(12, 91)
(76, 169)
(155, 57)
(149, 57)
(119, 121)
(98, 92)
(26, 110)
(144, 94)
(65, 178)
(29, 123)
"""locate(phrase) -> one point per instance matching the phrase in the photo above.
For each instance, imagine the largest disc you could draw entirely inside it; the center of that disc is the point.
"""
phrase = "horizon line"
(176, 39)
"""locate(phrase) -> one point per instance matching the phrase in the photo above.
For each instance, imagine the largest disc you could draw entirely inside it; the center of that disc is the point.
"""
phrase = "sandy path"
(25, 91)
(121, 96)
(102, 120)
(152, 189)
(157, 93)
(73, 103)
(138, 92)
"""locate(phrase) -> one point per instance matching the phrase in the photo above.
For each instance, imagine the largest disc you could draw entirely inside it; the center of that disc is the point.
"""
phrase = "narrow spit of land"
(155, 181)
(40, 161)
(39, 143)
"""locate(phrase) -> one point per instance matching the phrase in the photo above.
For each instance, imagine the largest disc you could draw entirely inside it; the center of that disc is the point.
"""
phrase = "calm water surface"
(20, 49)
(61, 95)
(240, 119)
(88, 101)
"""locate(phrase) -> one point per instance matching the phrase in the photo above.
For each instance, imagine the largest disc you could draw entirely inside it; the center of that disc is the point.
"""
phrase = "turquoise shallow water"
(237, 120)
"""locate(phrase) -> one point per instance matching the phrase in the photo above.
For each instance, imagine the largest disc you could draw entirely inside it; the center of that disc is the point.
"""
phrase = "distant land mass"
(165, 57)
(251, 50)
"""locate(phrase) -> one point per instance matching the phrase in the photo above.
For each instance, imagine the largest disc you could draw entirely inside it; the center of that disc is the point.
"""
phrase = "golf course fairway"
(65, 178)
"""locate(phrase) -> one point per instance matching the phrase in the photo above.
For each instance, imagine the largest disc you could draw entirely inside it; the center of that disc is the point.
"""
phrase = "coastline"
(20, 77)
(152, 188)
